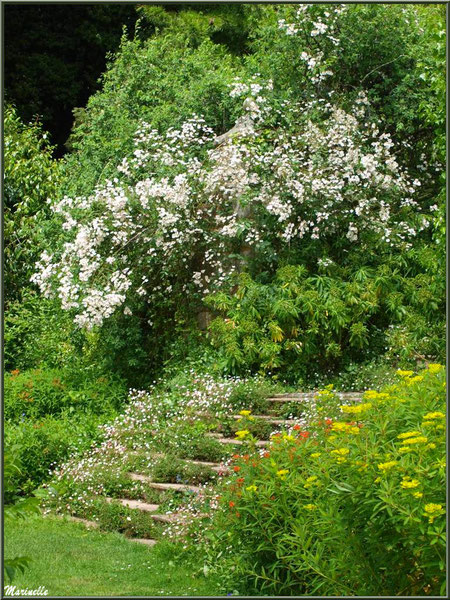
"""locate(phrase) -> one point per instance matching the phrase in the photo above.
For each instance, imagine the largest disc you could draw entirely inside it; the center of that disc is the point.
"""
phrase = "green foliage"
(432, 67)
(113, 516)
(42, 445)
(31, 177)
(38, 334)
(35, 394)
(162, 81)
(353, 506)
(171, 469)
(299, 323)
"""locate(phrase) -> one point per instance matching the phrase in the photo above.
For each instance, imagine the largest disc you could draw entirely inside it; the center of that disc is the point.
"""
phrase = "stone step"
(344, 397)
(85, 522)
(95, 525)
(177, 487)
(146, 541)
(214, 466)
(271, 419)
(137, 504)
(301, 395)
(164, 518)
(151, 508)
(223, 440)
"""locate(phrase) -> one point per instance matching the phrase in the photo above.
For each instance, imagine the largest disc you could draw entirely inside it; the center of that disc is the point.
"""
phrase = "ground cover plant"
(238, 264)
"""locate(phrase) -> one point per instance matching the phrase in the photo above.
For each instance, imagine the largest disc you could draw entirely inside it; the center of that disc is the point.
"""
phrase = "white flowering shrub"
(173, 221)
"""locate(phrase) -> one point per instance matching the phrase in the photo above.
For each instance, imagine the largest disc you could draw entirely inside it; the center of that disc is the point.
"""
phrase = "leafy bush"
(42, 392)
(298, 323)
(31, 177)
(355, 505)
(163, 81)
(40, 446)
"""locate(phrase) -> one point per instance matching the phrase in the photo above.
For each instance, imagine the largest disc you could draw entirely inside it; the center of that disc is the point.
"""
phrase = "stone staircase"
(218, 469)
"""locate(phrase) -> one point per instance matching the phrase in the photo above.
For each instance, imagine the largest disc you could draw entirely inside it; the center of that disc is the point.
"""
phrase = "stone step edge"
(95, 525)
(270, 418)
(223, 440)
(355, 398)
(314, 393)
(215, 466)
(177, 487)
(151, 508)
(135, 504)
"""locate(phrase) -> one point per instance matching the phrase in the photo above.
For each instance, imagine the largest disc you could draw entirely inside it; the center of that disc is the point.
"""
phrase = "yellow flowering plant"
(349, 514)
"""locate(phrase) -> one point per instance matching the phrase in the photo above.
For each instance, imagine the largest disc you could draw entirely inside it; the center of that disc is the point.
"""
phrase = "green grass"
(69, 560)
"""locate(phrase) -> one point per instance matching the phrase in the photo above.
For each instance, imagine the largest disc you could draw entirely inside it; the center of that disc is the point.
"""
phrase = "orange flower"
(15, 372)
(296, 428)
(266, 454)
(236, 469)
(240, 480)
(231, 504)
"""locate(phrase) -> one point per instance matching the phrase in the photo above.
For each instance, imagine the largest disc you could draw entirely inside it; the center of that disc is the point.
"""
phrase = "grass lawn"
(69, 560)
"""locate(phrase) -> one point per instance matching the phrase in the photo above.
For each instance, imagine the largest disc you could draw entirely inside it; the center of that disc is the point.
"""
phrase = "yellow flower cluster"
(251, 488)
(401, 373)
(431, 416)
(435, 368)
(316, 454)
(245, 413)
(432, 511)
(240, 435)
(311, 481)
(356, 409)
(374, 395)
(421, 439)
(341, 454)
(362, 465)
(409, 483)
(345, 428)
(310, 506)
(282, 473)
(288, 438)
(415, 379)
(387, 465)
(408, 434)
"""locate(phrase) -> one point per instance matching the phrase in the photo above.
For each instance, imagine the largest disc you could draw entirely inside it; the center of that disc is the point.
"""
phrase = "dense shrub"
(37, 393)
(300, 322)
(42, 445)
(355, 505)
(31, 177)
(336, 164)
(162, 81)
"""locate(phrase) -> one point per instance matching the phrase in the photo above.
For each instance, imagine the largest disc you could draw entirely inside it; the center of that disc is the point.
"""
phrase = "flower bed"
(353, 505)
